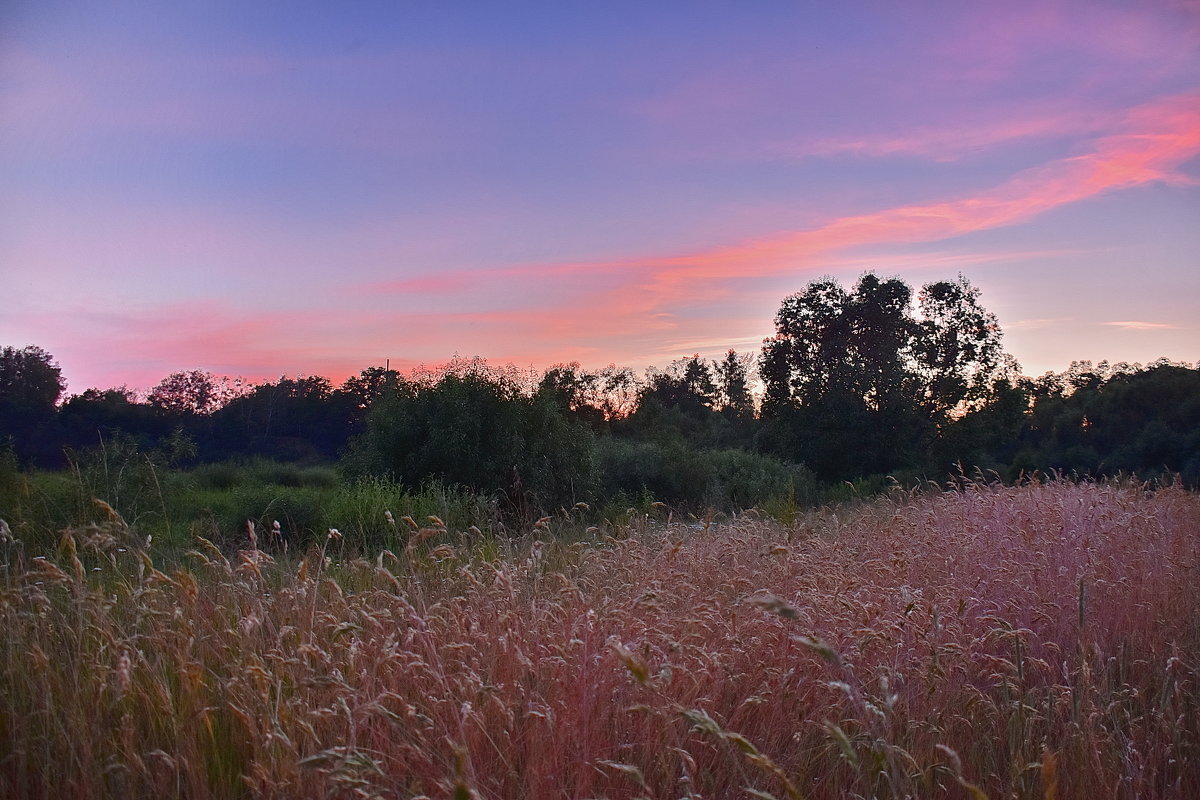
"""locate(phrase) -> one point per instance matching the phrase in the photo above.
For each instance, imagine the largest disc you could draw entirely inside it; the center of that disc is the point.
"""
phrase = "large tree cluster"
(868, 380)
(864, 380)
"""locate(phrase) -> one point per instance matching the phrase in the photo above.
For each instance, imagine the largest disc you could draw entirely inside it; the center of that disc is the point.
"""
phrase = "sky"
(261, 188)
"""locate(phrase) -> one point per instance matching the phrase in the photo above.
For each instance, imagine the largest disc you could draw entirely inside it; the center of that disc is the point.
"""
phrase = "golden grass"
(1032, 642)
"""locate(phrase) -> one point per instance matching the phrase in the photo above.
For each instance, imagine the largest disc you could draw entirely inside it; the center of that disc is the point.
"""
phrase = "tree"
(687, 384)
(195, 393)
(958, 352)
(617, 390)
(804, 361)
(97, 414)
(574, 392)
(30, 378)
(478, 429)
(1141, 421)
(294, 419)
(597, 397)
(358, 393)
(857, 383)
(31, 384)
(838, 378)
(733, 384)
(369, 384)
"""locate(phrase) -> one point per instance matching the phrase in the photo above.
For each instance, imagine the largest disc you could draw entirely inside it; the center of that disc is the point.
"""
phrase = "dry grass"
(1035, 642)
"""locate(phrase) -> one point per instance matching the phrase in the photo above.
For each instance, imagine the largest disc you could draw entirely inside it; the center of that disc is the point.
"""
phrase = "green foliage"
(859, 385)
(478, 431)
(359, 509)
(856, 383)
(30, 384)
(729, 479)
(741, 479)
(217, 501)
(89, 418)
(662, 470)
(1125, 420)
(308, 501)
(556, 458)
(298, 509)
(129, 479)
(732, 375)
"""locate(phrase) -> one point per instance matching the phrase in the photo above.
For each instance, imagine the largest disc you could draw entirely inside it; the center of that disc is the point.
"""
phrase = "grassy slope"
(1032, 642)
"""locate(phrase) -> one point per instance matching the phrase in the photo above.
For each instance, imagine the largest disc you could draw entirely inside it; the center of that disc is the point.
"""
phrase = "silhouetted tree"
(617, 390)
(574, 392)
(369, 384)
(732, 375)
(687, 384)
(675, 404)
(358, 393)
(989, 436)
(957, 348)
(30, 385)
(856, 383)
(1109, 420)
(96, 414)
(191, 393)
(292, 419)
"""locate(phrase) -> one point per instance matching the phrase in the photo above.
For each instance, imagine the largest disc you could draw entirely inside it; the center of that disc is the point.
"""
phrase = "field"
(1037, 641)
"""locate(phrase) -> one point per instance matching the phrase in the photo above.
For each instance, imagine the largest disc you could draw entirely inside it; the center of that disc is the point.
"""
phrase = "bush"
(730, 479)
(741, 480)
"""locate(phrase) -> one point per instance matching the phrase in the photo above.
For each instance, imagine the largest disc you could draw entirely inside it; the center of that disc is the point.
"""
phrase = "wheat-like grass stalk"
(923, 646)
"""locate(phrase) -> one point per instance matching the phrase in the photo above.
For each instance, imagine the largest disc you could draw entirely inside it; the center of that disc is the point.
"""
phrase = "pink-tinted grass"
(1038, 641)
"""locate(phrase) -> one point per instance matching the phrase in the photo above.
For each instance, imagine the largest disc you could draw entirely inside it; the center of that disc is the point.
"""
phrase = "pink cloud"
(620, 311)
(1139, 325)
(445, 283)
(139, 348)
(638, 307)
(996, 42)
(1156, 139)
(956, 138)
(1152, 142)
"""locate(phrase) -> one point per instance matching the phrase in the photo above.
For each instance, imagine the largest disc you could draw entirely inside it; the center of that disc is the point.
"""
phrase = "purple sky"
(258, 189)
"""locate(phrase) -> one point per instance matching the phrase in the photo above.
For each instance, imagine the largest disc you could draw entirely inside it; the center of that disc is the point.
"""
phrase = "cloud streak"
(953, 140)
(640, 306)
(1157, 139)
(1153, 142)
(634, 308)
(1139, 325)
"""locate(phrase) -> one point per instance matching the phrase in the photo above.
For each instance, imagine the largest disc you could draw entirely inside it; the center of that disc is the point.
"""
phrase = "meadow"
(980, 640)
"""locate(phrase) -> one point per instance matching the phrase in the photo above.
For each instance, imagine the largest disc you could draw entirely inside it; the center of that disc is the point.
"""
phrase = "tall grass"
(1033, 642)
(216, 501)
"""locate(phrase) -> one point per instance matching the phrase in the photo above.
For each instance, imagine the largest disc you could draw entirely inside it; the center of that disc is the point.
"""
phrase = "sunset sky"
(262, 189)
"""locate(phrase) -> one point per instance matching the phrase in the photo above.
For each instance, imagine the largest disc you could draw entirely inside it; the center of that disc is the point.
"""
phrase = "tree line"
(857, 383)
